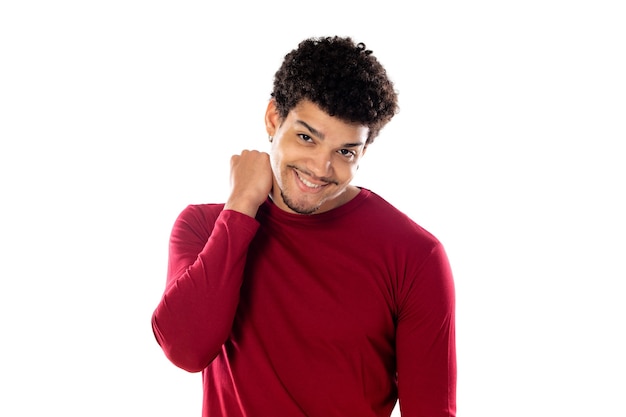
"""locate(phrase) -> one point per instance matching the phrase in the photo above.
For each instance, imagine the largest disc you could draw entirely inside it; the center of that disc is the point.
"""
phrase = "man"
(304, 295)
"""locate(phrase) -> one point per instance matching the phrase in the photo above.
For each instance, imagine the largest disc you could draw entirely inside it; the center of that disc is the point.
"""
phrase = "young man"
(304, 295)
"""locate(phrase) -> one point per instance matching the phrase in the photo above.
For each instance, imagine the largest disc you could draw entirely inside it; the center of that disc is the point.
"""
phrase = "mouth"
(308, 184)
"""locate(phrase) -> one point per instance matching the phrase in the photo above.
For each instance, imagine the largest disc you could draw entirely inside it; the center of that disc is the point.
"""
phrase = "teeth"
(308, 183)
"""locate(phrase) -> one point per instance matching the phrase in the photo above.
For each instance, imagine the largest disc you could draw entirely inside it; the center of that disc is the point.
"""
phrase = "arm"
(205, 272)
(426, 352)
(206, 263)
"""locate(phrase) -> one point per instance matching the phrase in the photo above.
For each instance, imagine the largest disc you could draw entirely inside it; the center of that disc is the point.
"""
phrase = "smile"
(308, 183)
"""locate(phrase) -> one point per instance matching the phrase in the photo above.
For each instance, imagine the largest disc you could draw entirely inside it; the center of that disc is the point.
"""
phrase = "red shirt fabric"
(340, 313)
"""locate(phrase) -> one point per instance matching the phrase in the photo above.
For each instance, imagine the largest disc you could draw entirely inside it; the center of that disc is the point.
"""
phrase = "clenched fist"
(251, 181)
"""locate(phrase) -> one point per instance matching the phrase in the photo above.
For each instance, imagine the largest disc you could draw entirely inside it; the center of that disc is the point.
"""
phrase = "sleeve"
(205, 271)
(425, 341)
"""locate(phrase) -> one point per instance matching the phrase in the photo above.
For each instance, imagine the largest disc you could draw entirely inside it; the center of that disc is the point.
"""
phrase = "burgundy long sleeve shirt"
(340, 313)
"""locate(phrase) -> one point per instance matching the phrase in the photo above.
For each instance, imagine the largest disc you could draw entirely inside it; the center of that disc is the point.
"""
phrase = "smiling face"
(314, 156)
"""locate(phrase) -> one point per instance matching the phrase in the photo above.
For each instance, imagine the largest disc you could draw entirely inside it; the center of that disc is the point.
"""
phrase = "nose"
(320, 163)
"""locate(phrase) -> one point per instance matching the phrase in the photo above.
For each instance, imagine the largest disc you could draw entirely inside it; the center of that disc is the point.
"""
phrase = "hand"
(251, 181)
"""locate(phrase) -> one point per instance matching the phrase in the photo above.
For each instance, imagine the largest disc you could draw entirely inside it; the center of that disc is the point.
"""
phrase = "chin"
(299, 207)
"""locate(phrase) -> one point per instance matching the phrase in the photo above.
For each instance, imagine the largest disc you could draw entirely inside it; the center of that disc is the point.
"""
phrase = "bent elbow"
(184, 360)
(182, 352)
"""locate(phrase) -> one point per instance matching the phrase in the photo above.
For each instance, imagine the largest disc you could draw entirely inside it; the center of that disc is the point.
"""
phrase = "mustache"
(310, 174)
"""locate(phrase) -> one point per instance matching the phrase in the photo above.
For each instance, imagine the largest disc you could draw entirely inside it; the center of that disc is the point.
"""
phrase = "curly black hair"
(343, 78)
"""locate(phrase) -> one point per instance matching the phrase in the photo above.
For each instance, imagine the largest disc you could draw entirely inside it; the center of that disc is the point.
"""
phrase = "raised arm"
(206, 264)
(208, 249)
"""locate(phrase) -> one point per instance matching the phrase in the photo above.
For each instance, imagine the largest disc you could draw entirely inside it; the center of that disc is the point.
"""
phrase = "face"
(314, 157)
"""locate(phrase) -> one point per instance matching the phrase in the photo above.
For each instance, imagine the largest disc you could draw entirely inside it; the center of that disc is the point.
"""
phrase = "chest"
(333, 291)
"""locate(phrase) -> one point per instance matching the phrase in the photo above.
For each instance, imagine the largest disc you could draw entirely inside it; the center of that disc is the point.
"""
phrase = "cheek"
(275, 165)
(278, 161)
(276, 153)
(346, 172)
(280, 151)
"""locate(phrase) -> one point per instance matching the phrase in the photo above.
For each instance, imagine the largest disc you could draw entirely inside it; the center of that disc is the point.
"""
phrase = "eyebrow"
(321, 136)
(311, 129)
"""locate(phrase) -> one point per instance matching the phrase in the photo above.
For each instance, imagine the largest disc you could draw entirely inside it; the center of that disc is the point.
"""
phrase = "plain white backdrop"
(509, 147)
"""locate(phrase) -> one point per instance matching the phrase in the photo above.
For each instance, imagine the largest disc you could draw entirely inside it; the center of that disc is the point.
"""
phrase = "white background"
(509, 147)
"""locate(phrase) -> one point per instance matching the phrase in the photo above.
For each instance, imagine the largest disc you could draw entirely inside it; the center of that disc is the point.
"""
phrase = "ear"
(272, 120)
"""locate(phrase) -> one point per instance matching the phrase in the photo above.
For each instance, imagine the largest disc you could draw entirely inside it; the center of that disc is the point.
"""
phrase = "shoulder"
(387, 220)
(202, 213)
(201, 220)
(198, 219)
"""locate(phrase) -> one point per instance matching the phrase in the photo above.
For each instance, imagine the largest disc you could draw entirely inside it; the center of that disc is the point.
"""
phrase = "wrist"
(246, 207)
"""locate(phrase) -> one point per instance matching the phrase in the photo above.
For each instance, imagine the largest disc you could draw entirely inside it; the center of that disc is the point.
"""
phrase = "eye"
(305, 138)
(347, 153)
